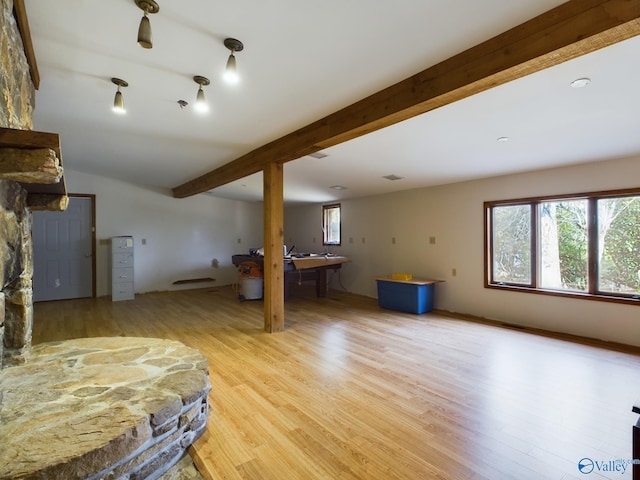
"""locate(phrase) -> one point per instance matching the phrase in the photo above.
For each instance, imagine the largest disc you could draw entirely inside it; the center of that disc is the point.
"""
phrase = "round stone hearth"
(101, 407)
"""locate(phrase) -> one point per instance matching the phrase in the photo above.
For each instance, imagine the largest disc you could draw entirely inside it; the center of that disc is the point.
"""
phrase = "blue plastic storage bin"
(413, 296)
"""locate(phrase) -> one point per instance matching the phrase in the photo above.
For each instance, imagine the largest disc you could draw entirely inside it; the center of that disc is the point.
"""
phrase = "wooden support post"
(273, 247)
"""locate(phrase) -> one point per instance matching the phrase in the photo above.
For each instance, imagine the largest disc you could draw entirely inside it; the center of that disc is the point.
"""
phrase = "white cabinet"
(122, 268)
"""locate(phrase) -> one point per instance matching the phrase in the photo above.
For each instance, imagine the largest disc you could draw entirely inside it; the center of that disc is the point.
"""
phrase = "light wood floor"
(350, 391)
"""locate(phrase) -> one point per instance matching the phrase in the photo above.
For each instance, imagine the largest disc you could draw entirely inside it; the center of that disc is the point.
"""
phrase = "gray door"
(62, 252)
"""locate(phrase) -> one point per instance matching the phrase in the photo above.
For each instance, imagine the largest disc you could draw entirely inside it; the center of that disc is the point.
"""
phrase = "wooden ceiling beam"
(20, 14)
(568, 31)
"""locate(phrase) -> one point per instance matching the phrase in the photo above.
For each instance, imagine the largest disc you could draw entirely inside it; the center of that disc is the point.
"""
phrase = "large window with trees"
(581, 245)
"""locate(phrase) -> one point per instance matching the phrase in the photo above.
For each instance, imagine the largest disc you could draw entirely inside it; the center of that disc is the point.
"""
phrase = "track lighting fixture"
(118, 101)
(231, 73)
(144, 30)
(201, 102)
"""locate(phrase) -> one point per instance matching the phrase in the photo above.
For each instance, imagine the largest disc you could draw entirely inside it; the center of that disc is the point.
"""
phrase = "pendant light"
(118, 101)
(201, 102)
(144, 30)
(231, 72)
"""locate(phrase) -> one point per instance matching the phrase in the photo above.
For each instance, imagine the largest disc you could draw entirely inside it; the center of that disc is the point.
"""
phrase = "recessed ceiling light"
(581, 82)
(503, 139)
(393, 177)
(338, 187)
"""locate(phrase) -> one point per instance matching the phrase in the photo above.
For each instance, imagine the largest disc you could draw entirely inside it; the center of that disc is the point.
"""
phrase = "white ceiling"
(301, 62)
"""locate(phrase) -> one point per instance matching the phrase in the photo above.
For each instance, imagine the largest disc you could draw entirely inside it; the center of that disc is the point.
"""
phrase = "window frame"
(592, 292)
(325, 228)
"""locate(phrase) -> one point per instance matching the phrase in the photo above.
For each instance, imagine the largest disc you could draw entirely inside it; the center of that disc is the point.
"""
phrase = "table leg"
(286, 277)
(321, 282)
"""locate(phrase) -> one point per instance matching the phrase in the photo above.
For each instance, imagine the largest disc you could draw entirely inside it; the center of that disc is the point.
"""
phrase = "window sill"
(576, 295)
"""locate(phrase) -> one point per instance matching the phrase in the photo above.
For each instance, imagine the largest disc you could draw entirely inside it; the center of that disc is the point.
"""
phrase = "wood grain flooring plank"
(352, 391)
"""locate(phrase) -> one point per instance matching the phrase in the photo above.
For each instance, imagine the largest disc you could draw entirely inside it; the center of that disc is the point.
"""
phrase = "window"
(585, 245)
(512, 244)
(331, 224)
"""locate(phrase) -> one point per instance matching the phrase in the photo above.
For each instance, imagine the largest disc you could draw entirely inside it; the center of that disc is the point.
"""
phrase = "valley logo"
(586, 465)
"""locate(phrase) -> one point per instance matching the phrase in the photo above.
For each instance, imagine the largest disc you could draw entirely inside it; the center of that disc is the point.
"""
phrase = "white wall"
(454, 215)
(183, 236)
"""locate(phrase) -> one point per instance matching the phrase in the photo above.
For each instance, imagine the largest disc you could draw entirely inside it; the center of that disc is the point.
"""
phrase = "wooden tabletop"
(318, 261)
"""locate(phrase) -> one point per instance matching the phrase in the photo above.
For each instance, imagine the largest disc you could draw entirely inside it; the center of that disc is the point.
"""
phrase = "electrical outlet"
(144, 241)
(432, 240)
(393, 240)
(350, 239)
(314, 239)
(363, 240)
(454, 272)
(239, 240)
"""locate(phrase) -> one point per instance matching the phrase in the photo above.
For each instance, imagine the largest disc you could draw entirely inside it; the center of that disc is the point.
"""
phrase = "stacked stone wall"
(16, 111)
(16, 270)
(17, 98)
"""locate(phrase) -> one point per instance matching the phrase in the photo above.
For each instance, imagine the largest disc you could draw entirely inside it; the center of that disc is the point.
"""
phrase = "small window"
(331, 224)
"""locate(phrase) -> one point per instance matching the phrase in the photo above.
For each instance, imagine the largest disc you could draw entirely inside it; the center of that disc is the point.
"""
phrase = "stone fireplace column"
(16, 111)
(17, 270)
(17, 100)
(1, 334)
(1, 337)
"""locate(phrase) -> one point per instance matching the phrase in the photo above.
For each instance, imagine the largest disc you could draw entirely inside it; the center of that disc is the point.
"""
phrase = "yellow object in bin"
(401, 276)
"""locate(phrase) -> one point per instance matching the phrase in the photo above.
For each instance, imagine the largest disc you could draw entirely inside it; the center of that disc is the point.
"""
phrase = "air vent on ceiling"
(393, 177)
(318, 155)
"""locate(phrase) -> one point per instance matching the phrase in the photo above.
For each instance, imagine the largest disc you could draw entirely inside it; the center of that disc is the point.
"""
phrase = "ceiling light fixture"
(144, 30)
(118, 101)
(338, 187)
(581, 82)
(503, 139)
(231, 72)
(201, 102)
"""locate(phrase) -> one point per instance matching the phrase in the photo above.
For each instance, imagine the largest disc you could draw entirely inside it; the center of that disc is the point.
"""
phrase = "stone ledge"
(102, 408)
(38, 165)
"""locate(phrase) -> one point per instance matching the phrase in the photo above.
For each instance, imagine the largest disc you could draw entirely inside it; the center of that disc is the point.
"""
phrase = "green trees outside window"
(586, 245)
(619, 245)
